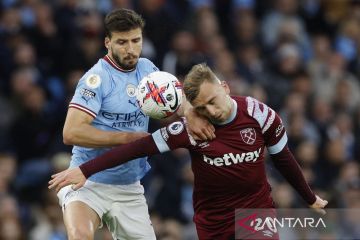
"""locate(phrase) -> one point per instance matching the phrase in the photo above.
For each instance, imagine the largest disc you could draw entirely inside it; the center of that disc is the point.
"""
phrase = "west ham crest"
(248, 135)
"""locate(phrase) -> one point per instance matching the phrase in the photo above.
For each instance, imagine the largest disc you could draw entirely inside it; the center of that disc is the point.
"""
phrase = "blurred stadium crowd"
(301, 57)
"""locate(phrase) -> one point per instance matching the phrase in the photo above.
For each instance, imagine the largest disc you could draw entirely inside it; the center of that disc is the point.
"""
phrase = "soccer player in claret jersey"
(229, 170)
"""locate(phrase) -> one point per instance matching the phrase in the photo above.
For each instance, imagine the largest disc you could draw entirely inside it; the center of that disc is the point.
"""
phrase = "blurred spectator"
(10, 223)
(49, 222)
(347, 39)
(281, 73)
(182, 55)
(245, 29)
(326, 80)
(283, 196)
(283, 24)
(225, 68)
(250, 65)
(8, 169)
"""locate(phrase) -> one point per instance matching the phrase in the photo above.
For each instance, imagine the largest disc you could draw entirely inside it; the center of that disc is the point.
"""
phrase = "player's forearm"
(88, 136)
(119, 155)
(285, 162)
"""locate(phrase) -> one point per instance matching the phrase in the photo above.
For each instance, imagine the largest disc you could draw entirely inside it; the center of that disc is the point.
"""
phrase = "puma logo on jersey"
(230, 158)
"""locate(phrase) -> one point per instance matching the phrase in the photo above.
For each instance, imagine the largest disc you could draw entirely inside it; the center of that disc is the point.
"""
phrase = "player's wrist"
(85, 170)
(312, 200)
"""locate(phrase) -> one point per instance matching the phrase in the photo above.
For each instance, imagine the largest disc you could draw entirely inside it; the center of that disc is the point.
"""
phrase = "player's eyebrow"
(121, 40)
(126, 39)
(202, 106)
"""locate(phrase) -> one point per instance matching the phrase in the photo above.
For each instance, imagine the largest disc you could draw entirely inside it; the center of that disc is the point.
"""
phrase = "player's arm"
(79, 131)
(276, 141)
(199, 127)
(163, 140)
(285, 162)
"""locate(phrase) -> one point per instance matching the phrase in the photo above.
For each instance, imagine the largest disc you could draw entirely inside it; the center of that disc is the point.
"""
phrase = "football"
(159, 94)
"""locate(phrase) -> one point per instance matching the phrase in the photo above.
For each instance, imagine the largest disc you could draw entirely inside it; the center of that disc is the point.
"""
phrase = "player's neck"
(113, 63)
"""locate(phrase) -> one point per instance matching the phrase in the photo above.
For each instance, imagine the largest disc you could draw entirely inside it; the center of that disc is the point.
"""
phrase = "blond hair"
(198, 74)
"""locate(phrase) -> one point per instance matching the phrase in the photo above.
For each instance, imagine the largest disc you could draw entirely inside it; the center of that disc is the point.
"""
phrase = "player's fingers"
(210, 127)
(54, 175)
(209, 134)
(51, 185)
(195, 135)
(54, 182)
(50, 182)
(77, 186)
(201, 136)
(61, 185)
(320, 211)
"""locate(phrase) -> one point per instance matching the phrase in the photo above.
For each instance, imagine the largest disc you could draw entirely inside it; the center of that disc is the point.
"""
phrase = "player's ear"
(107, 42)
(225, 86)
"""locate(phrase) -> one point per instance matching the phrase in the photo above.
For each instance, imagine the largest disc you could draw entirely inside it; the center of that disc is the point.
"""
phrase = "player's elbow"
(68, 137)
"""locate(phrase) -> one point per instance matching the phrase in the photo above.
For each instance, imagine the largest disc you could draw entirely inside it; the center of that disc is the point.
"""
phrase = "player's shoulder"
(100, 70)
(256, 109)
(250, 104)
(97, 75)
(180, 126)
(245, 103)
(147, 65)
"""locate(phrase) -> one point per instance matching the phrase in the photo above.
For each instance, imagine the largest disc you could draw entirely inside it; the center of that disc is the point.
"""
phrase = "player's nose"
(211, 110)
(130, 48)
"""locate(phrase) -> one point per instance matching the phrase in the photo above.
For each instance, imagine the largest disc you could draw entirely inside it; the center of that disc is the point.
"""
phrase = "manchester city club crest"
(248, 135)
(131, 90)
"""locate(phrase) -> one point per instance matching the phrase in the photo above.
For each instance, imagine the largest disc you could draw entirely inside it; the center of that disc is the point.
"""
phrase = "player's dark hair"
(198, 74)
(122, 20)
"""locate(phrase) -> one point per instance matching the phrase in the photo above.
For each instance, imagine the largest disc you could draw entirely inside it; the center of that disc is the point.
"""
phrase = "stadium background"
(300, 57)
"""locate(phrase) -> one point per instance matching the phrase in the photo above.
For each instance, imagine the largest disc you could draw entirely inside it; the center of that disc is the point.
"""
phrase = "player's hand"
(199, 127)
(319, 205)
(70, 176)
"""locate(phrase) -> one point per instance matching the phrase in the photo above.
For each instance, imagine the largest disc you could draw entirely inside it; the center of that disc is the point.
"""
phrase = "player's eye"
(200, 109)
(212, 101)
(120, 42)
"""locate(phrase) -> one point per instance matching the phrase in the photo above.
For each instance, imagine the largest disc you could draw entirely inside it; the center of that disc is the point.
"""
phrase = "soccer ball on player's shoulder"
(159, 94)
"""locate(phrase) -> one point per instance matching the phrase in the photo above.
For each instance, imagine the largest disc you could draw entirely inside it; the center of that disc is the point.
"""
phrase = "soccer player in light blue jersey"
(103, 113)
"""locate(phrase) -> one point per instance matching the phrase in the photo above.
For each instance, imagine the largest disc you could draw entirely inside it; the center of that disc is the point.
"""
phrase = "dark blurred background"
(301, 57)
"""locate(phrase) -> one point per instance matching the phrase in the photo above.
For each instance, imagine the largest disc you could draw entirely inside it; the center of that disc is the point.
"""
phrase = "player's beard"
(122, 64)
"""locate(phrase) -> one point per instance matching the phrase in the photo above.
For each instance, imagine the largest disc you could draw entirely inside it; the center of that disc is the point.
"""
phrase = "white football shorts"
(122, 208)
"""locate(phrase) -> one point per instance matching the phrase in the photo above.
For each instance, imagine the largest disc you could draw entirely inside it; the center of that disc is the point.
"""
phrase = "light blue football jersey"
(108, 94)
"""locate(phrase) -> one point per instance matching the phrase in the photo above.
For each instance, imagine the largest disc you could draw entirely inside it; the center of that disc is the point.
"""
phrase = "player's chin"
(216, 120)
(131, 63)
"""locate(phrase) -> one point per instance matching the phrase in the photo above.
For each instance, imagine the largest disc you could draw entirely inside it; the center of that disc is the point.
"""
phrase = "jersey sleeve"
(165, 139)
(271, 125)
(89, 94)
(173, 136)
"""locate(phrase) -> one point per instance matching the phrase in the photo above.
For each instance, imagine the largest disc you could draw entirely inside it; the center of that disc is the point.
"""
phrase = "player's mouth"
(130, 57)
(216, 118)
